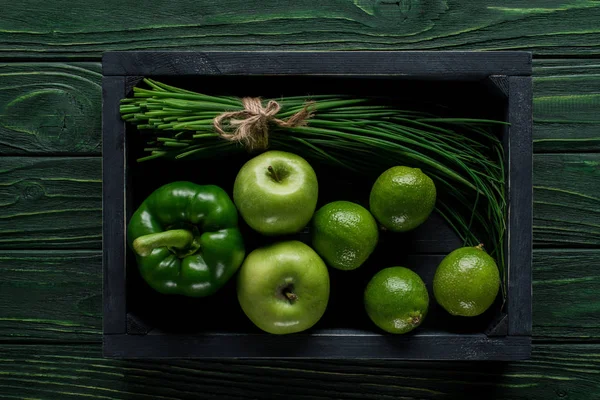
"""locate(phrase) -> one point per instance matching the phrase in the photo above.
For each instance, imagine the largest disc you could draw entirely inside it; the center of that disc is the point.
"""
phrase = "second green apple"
(276, 193)
(284, 287)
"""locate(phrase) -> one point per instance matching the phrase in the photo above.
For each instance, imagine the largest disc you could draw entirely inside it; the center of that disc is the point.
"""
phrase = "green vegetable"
(462, 156)
(186, 239)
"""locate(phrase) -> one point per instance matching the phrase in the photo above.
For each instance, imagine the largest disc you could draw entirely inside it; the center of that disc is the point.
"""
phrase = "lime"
(402, 198)
(344, 234)
(466, 282)
(396, 300)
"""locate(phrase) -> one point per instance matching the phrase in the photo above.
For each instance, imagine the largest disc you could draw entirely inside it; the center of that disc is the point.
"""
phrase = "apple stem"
(290, 295)
(479, 246)
(274, 174)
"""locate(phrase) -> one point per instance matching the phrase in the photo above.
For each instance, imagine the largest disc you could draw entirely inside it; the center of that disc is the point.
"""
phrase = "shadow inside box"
(346, 306)
(150, 311)
(420, 250)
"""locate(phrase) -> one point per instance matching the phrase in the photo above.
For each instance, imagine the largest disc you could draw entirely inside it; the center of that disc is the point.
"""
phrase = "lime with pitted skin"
(396, 300)
(402, 198)
(466, 282)
(344, 234)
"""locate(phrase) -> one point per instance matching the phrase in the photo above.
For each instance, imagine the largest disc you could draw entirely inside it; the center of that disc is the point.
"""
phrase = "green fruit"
(276, 193)
(402, 198)
(344, 234)
(284, 287)
(466, 282)
(396, 300)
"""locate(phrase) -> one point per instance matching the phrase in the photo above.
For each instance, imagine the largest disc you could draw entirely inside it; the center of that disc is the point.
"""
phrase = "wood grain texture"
(66, 372)
(50, 295)
(565, 287)
(55, 108)
(50, 108)
(566, 201)
(565, 106)
(335, 344)
(520, 210)
(456, 65)
(566, 120)
(66, 29)
(114, 189)
(56, 295)
(50, 202)
(56, 202)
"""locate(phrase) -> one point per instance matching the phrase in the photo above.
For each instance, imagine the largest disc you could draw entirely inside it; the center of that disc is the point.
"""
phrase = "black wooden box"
(139, 323)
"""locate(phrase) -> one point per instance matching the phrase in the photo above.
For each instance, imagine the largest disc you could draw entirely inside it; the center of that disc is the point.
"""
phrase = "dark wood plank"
(50, 202)
(113, 205)
(50, 295)
(66, 372)
(325, 345)
(63, 28)
(56, 295)
(565, 106)
(519, 237)
(50, 108)
(37, 97)
(566, 202)
(415, 65)
(56, 202)
(565, 294)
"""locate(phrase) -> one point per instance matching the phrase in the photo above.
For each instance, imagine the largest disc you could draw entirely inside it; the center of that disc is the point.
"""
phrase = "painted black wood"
(325, 345)
(113, 217)
(136, 319)
(498, 84)
(520, 207)
(424, 64)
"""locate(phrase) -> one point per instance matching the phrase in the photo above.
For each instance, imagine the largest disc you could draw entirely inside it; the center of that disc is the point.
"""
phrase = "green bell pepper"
(186, 239)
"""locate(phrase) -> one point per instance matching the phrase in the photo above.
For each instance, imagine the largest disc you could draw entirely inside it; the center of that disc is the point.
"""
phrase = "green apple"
(284, 287)
(276, 193)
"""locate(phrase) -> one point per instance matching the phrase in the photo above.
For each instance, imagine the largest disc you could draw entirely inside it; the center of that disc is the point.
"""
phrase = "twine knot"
(252, 123)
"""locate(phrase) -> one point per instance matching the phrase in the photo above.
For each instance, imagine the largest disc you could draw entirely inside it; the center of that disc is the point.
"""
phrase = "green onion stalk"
(364, 135)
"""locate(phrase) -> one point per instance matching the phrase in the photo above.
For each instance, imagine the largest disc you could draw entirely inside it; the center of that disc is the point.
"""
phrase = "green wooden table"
(51, 188)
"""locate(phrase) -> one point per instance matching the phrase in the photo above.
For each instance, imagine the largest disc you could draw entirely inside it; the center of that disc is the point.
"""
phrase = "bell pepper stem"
(176, 238)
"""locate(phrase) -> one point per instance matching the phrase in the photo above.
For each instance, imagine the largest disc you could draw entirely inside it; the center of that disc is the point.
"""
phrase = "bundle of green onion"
(462, 156)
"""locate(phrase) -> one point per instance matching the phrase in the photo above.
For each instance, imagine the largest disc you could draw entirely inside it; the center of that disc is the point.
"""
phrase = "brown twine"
(252, 123)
